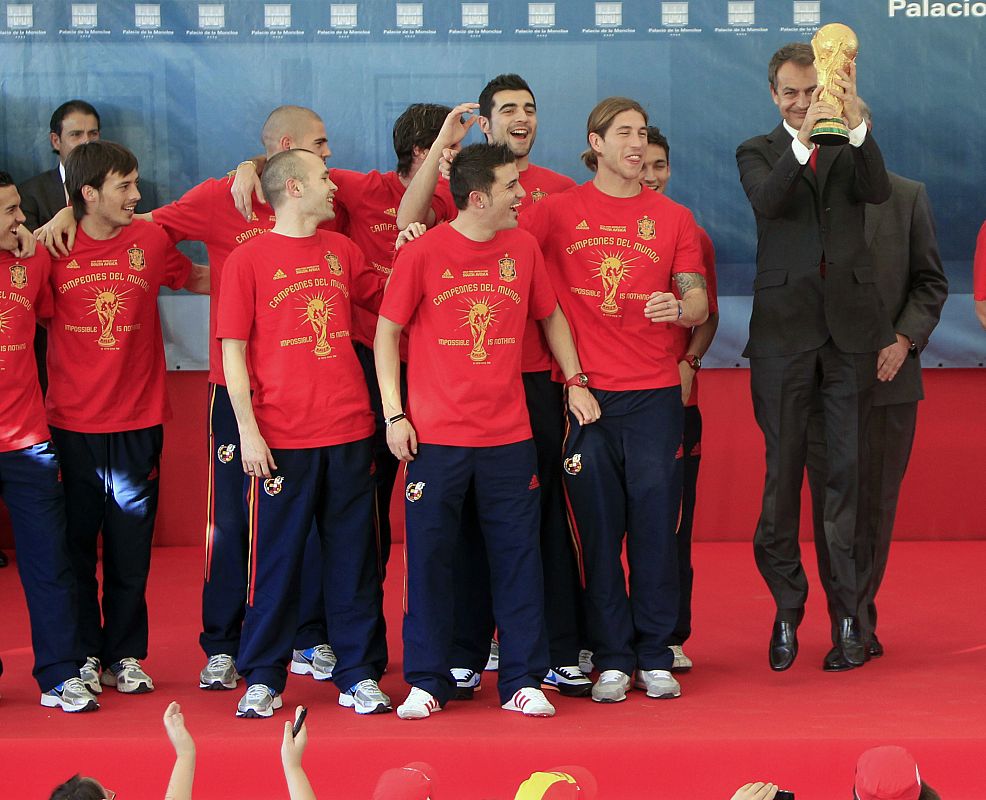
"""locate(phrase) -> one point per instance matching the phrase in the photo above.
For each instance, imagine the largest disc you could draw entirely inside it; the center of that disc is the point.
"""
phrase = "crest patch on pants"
(573, 465)
(225, 453)
(414, 491)
(274, 485)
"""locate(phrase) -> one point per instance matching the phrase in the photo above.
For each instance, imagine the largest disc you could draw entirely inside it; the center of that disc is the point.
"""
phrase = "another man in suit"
(912, 285)
(815, 331)
(73, 123)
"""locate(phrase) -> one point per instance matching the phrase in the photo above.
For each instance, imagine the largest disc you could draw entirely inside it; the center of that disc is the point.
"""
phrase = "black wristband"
(396, 418)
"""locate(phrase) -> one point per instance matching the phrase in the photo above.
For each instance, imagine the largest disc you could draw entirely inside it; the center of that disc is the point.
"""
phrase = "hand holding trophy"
(835, 47)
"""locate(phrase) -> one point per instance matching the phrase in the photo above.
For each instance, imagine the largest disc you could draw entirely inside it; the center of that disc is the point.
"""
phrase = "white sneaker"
(493, 662)
(585, 661)
(467, 682)
(259, 701)
(419, 704)
(530, 702)
(682, 663)
(366, 698)
(219, 673)
(611, 687)
(128, 677)
(71, 695)
(89, 674)
(659, 683)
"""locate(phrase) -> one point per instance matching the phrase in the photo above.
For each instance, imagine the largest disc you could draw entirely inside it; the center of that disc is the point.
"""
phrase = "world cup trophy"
(480, 316)
(319, 313)
(835, 46)
(106, 305)
(611, 272)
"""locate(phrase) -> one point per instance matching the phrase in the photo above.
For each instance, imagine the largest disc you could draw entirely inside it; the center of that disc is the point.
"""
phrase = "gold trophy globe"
(835, 46)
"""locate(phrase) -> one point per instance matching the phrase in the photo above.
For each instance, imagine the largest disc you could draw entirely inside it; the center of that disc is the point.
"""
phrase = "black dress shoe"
(850, 642)
(3, 559)
(834, 662)
(783, 645)
(874, 648)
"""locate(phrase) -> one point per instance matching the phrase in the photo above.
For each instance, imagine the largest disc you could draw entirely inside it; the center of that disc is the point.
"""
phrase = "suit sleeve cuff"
(858, 134)
(801, 152)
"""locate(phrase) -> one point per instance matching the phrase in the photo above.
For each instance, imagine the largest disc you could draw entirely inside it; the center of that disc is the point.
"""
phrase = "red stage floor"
(735, 722)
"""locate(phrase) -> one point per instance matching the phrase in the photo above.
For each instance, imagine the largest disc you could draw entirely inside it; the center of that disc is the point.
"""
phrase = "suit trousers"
(890, 436)
(785, 390)
(691, 458)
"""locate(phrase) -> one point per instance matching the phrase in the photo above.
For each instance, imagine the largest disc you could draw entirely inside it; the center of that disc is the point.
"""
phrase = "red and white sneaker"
(419, 704)
(530, 702)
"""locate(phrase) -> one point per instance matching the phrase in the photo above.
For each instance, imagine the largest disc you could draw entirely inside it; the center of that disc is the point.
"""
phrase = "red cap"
(411, 782)
(887, 773)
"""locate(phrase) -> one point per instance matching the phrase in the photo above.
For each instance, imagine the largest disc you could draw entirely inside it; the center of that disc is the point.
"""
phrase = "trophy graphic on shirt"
(106, 305)
(318, 312)
(611, 270)
(480, 316)
(835, 46)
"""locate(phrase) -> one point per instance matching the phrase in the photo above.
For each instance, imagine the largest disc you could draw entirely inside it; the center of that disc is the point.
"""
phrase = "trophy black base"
(830, 133)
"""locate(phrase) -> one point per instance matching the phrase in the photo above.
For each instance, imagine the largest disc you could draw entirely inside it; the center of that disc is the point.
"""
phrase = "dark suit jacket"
(800, 217)
(42, 197)
(901, 237)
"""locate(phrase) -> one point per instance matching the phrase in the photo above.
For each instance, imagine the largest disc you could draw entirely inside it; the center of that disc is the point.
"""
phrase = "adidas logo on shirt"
(582, 226)
(391, 212)
(448, 274)
(279, 275)
(73, 264)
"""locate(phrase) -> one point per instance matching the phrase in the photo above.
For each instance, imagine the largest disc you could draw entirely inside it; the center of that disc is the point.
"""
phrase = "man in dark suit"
(900, 235)
(73, 123)
(815, 331)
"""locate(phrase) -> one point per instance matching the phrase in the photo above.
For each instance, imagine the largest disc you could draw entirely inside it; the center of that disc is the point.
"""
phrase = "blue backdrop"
(187, 85)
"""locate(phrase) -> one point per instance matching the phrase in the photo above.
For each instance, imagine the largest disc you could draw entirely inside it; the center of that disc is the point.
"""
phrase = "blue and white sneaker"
(467, 682)
(71, 695)
(365, 698)
(568, 680)
(318, 661)
(259, 701)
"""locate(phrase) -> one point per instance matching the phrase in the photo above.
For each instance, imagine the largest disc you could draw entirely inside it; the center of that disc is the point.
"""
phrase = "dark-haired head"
(417, 127)
(474, 170)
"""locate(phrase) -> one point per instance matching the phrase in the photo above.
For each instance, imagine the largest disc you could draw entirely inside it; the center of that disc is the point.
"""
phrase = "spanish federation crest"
(537, 195)
(414, 491)
(18, 276)
(274, 485)
(335, 266)
(646, 228)
(225, 453)
(136, 256)
(573, 465)
(508, 269)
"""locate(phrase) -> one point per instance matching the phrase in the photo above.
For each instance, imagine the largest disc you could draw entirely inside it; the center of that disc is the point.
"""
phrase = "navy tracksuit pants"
(224, 589)
(564, 616)
(691, 458)
(507, 496)
(31, 487)
(111, 485)
(621, 478)
(332, 487)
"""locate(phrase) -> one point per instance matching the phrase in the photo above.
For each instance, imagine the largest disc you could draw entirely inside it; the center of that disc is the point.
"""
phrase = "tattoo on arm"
(686, 281)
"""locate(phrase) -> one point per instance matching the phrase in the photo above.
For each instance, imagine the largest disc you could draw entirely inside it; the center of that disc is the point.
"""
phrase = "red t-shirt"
(289, 300)
(684, 335)
(207, 213)
(105, 351)
(369, 202)
(979, 266)
(25, 296)
(606, 256)
(538, 183)
(465, 305)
